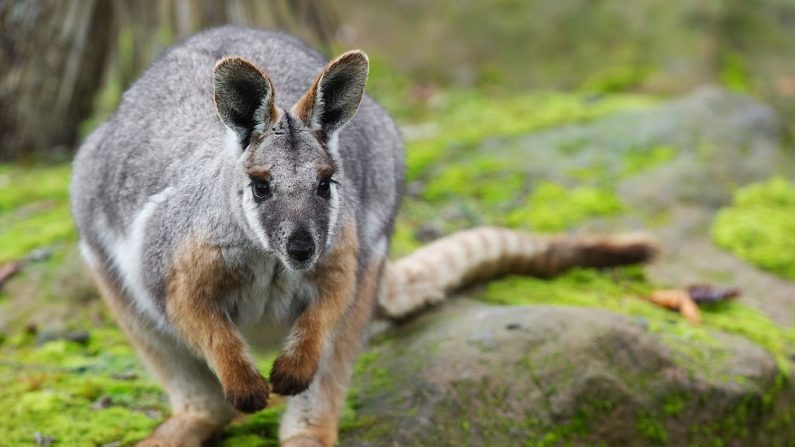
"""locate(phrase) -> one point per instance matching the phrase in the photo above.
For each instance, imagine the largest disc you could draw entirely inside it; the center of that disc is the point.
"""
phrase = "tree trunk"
(54, 54)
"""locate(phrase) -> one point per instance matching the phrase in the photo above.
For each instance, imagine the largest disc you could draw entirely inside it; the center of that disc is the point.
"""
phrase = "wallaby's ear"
(334, 97)
(243, 97)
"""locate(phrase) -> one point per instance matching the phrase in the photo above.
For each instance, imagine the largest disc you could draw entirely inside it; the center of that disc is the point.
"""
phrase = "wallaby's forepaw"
(301, 441)
(249, 395)
(289, 378)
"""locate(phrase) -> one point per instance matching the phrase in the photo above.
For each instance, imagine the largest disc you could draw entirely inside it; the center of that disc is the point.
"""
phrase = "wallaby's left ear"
(243, 97)
(334, 97)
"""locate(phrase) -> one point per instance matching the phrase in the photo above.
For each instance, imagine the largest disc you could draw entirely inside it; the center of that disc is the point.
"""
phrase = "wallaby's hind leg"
(197, 401)
(311, 417)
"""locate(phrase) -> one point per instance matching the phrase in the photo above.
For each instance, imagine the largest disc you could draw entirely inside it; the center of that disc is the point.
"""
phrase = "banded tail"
(427, 275)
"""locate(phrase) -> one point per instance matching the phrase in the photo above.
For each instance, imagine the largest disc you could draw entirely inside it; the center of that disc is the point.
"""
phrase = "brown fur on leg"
(335, 278)
(311, 418)
(196, 284)
(194, 420)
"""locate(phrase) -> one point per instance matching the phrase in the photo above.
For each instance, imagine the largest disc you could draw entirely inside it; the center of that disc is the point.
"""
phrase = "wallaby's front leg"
(311, 418)
(335, 278)
(197, 282)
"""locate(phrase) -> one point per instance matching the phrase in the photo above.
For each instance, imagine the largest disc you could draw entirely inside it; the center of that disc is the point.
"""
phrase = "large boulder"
(473, 374)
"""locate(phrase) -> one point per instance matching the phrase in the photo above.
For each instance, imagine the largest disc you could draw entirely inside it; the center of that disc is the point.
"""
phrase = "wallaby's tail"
(427, 275)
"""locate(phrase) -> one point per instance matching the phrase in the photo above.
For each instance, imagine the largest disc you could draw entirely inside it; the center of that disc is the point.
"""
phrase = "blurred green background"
(548, 116)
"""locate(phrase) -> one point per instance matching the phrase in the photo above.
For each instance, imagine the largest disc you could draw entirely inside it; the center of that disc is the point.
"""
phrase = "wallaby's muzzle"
(300, 246)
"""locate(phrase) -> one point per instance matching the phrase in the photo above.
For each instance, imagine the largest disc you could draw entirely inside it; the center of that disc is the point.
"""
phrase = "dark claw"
(250, 400)
(283, 381)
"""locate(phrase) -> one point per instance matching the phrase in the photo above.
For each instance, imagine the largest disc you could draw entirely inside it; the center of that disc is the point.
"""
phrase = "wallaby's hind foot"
(302, 441)
(182, 430)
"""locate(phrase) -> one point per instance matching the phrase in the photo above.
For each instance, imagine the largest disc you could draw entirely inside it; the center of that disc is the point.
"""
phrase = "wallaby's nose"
(300, 245)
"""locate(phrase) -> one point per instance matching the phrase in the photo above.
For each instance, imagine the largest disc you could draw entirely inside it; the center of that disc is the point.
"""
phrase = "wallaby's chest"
(266, 293)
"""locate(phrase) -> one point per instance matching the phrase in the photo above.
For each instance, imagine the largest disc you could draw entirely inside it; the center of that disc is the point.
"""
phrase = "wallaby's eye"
(261, 189)
(324, 188)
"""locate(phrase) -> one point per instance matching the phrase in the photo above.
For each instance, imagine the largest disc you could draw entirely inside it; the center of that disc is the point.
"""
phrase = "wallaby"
(236, 196)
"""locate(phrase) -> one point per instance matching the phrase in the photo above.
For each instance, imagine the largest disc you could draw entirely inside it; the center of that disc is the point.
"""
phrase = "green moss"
(579, 287)
(257, 430)
(20, 185)
(616, 79)
(484, 178)
(51, 390)
(551, 207)
(652, 429)
(20, 236)
(578, 427)
(749, 322)
(403, 240)
(467, 116)
(368, 365)
(637, 160)
(674, 404)
(734, 72)
(759, 225)
(34, 208)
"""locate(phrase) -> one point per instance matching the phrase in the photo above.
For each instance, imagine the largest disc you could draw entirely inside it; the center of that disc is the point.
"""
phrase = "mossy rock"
(475, 374)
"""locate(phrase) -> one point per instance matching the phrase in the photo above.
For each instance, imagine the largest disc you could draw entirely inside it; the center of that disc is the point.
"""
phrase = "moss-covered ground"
(462, 172)
(759, 226)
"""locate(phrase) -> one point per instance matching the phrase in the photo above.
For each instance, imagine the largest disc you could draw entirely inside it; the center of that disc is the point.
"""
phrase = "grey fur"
(166, 141)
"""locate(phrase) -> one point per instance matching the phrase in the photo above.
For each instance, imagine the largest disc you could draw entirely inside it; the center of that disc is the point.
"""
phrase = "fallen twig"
(686, 301)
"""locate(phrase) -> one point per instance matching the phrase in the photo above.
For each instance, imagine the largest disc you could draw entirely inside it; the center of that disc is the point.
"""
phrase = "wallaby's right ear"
(243, 97)
(334, 97)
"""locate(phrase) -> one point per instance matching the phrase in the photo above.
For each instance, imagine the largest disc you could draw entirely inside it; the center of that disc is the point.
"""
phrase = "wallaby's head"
(290, 182)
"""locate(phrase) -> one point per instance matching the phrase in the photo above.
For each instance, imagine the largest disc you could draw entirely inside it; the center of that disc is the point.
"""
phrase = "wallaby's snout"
(300, 246)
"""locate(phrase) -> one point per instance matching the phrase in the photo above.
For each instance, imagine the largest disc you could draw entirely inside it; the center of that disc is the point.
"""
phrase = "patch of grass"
(759, 225)
(34, 208)
(551, 207)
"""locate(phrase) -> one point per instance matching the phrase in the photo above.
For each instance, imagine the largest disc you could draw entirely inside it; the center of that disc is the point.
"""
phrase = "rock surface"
(473, 374)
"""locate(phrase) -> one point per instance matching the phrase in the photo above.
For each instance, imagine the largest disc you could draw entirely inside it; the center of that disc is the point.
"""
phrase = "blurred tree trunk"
(52, 54)
(57, 55)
